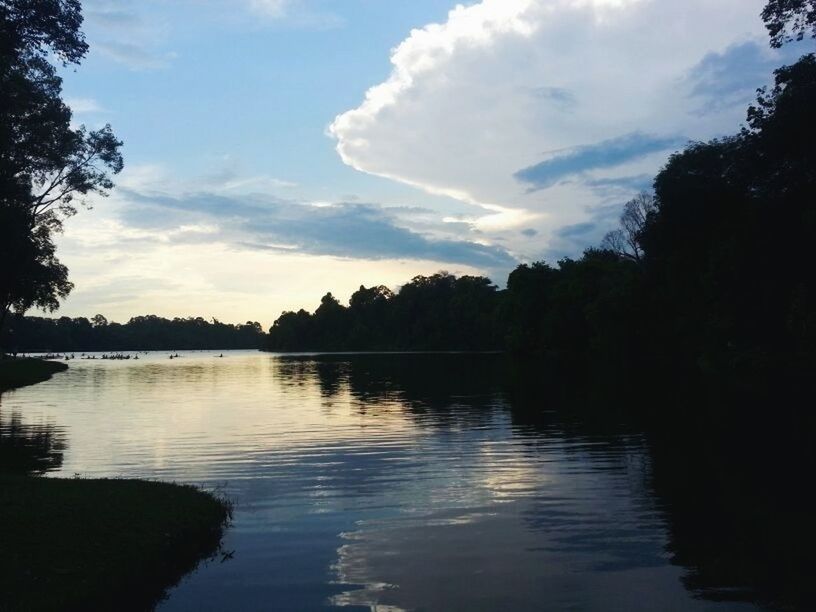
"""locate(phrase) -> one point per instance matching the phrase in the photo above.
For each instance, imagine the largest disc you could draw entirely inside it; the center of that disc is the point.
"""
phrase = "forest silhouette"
(144, 333)
(712, 271)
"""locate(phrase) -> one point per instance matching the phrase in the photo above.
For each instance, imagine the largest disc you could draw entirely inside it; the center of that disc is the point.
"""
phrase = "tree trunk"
(3, 314)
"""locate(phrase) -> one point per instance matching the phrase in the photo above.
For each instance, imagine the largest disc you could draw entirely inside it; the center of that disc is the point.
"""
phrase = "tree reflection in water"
(726, 473)
(29, 448)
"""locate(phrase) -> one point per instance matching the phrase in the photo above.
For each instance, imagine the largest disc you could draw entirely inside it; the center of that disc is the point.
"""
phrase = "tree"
(789, 20)
(370, 298)
(31, 275)
(37, 27)
(625, 241)
(46, 165)
(728, 251)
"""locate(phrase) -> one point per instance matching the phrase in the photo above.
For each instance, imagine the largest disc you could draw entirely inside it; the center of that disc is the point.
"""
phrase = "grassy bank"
(22, 372)
(74, 544)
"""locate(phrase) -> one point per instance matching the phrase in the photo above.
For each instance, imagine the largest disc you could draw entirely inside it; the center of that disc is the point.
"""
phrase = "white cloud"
(270, 8)
(503, 85)
(294, 13)
(83, 106)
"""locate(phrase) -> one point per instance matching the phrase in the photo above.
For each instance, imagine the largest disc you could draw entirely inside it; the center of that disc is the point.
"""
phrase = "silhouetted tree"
(150, 332)
(788, 20)
(585, 308)
(625, 241)
(369, 311)
(438, 312)
(728, 251)
(46, 165)
(43, 159)
(30, 274)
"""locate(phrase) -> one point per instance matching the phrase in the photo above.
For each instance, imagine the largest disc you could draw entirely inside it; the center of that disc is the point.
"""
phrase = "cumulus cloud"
(578, 99)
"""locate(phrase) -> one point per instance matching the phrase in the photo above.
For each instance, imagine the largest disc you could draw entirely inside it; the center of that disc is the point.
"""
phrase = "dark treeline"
(712, 271)
(147, 333)
(439, 312)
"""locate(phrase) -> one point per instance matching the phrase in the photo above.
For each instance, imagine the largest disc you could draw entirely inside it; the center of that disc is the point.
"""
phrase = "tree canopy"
(789, 20)
(143, 333)
(36, 28)
(30, 275)
(47, 166)
(438, 312)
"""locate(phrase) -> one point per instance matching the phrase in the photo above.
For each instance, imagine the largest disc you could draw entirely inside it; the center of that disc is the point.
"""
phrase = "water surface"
(377, 482)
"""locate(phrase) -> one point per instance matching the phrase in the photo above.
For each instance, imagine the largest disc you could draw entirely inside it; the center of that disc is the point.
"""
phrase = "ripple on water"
(357, 486)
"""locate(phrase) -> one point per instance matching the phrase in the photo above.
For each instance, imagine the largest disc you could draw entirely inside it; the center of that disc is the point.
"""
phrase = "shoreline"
(80, 544)
(17, 372)
(77, 544)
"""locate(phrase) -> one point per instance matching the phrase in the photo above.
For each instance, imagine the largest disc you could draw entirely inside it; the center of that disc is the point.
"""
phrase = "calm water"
(377, 483)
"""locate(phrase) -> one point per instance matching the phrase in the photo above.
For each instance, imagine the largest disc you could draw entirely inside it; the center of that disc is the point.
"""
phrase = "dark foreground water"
(395, 483)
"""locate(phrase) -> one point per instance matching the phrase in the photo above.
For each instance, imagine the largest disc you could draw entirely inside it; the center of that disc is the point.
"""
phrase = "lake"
(391, 482)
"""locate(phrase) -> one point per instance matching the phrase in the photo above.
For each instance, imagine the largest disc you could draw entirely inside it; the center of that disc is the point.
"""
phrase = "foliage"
(46, 162)
(29, 334)
(30, 275)
(439, 312)
(788, 20)
(580, 309)
(728, 253)
(46, 165)
(625, 241)
(34, 29)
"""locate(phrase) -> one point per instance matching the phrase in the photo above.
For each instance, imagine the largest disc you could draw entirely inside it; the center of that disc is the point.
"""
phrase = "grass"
(75, 544)
(16, 373)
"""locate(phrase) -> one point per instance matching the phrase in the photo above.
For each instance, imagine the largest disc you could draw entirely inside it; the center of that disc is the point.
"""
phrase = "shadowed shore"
(16, 373)
(83, 544)
(74, 544)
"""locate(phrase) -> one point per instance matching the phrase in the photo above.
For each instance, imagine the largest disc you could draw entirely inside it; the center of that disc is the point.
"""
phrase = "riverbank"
(15, 373)
(71, 544)
(103, 544)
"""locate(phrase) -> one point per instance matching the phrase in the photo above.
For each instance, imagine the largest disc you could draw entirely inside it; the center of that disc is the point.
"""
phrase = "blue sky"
(279, 149)
(192, 83)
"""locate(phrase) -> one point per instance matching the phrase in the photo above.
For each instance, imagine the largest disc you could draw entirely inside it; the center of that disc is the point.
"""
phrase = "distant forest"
(148, 333)
(712, 271)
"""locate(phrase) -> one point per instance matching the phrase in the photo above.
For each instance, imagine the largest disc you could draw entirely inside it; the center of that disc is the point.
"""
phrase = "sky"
(279, 149)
